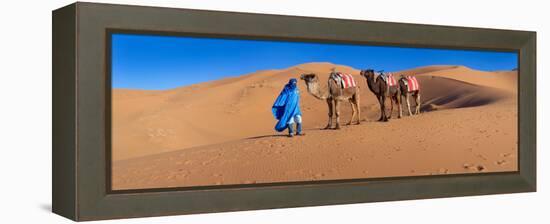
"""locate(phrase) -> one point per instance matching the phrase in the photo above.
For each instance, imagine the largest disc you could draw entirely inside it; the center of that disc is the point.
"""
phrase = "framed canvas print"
(201, 111)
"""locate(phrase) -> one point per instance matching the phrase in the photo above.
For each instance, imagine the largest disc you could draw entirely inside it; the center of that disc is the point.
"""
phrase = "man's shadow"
(267, 136)
(283, 134)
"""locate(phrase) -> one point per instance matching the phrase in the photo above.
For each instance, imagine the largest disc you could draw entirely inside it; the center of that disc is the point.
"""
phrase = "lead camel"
(334, 96)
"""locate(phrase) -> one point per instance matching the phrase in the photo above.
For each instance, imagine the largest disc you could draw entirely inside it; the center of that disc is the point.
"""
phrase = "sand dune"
(223, 121)
(446, 94)
(204, 113)
(504, 80)
(465, 140)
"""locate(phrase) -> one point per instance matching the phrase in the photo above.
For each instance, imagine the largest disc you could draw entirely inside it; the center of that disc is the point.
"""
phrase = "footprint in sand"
(319, 175)
(291, 172)
(443, 171)
(480, 168)
(481, 157)
(176, 176)
(474, 168)
(506, 154)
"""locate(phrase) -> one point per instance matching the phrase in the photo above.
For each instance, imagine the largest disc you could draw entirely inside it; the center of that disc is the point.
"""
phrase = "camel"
(379, 88)
(403, 83)
(333, 96)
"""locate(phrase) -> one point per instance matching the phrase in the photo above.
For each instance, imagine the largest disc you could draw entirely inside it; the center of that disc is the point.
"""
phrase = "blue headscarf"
(287, 105)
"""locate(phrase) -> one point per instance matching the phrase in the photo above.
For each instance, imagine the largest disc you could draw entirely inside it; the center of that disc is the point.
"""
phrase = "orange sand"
(221, 132)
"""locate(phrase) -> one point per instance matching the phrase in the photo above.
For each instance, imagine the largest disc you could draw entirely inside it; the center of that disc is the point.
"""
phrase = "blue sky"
(163, 62)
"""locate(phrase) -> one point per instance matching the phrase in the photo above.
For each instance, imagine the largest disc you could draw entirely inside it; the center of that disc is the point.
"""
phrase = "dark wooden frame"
(81, 118)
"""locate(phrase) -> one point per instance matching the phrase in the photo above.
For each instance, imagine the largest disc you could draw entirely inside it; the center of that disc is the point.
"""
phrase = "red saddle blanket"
(347, 80)
(412, 84)
(390, 80)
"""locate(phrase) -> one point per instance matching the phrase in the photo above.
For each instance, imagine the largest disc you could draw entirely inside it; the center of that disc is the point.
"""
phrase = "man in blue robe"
(286, 109)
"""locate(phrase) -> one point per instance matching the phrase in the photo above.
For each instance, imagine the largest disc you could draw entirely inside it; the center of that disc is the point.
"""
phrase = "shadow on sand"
(283, 134)
(267, 136)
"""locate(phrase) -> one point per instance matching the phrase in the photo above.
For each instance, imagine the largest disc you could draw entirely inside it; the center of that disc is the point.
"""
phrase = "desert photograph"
(191, 111)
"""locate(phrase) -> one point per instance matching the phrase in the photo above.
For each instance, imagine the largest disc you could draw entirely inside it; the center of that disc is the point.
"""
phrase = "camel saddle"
(344, 80)
(388, 78)
(412, 83)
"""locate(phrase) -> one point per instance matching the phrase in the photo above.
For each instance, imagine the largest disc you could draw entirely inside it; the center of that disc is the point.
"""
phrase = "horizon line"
(295, 66)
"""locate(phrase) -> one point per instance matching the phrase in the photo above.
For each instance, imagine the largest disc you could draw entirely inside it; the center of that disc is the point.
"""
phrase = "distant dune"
(504, 80)
(221, 132)
(150, 122)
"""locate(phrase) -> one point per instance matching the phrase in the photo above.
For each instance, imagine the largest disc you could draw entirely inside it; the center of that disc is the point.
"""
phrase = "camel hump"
(344, 80)
(412, 84)
(389, 79)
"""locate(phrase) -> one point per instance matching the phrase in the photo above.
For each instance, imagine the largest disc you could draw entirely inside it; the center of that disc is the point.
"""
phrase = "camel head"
(369, 73)
(309, 78)
(312, 84)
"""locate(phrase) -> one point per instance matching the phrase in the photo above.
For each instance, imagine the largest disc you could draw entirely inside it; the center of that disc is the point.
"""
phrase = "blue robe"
(287, 105)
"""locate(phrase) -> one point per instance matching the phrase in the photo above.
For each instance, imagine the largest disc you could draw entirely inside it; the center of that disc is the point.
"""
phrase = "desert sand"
(221, 132)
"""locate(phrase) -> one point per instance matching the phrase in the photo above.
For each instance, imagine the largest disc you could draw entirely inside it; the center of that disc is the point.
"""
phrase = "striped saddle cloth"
(346, 80)
(388, 77)
(412, 84)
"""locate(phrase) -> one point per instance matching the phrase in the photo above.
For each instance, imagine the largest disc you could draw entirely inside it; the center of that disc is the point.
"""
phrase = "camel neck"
(371, 84)
(315, 90)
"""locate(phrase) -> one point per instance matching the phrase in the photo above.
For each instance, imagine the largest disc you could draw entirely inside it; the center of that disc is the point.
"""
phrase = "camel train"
(342, 87)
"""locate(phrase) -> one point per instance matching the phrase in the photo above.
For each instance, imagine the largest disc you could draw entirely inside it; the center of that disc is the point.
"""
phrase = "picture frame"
(81, 122)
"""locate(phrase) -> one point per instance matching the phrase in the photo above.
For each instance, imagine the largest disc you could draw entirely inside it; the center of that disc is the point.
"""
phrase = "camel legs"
(395, 100)
(399, 106)
(337, 109)
(382, 101)
(417, 100)
(358, 109)
(408, 104)
(353, 112)
(391, 107)
(329, 103)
